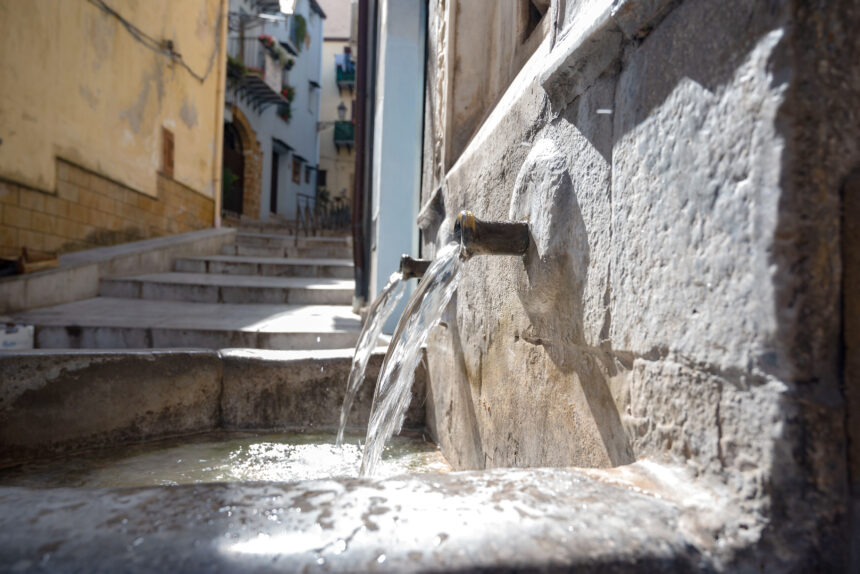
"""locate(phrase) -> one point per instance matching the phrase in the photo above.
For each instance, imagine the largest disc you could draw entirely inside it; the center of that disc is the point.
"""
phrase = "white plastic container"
(15, 337)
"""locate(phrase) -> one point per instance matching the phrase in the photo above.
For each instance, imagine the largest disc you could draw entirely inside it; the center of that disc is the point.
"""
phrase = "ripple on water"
(226, 457)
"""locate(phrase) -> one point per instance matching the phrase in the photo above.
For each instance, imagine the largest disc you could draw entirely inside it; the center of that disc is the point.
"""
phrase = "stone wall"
(88, 210)
(680, 300)
(252, 184)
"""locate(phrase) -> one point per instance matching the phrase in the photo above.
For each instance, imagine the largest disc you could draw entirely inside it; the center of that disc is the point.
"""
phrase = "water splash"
(394, 386)
(379, 312)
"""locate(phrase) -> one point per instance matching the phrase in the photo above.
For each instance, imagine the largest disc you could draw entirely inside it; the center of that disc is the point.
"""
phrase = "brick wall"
(88, 210)
(252, 184)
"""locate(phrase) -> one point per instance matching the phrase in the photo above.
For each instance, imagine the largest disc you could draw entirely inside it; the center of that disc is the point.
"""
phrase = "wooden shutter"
(167, 152)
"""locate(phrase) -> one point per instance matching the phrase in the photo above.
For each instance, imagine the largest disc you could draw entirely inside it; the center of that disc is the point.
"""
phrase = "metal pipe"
(479, 237)
(410, 267)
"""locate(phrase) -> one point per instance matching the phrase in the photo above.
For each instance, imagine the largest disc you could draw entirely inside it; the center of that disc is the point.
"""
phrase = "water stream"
(379, 312)
(394, 386)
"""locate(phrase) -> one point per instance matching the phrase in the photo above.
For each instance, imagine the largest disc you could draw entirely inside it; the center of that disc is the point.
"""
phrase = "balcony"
(345, 77)
(344, 135)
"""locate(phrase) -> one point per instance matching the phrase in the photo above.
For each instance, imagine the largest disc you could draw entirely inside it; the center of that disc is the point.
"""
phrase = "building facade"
(271, 145)
(110, 121)
(337, 129)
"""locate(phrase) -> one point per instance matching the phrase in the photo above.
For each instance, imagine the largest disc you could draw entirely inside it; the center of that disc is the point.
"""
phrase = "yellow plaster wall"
(74, 84)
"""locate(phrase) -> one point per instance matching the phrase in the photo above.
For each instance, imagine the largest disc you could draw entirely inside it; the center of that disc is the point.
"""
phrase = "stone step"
(287, 228)
(267, 266)
(236, 289)
(115, 323)
(289, 251)
(277, 240)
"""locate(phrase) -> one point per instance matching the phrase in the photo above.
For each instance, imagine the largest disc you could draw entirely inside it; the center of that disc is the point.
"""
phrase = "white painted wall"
(301, 132)
(397, 139)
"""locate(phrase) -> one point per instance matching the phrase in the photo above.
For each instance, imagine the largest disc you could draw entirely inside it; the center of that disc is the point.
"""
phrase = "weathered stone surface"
(680, 300)
(300, 389)
(693, 216)
(509, 520)
(58, 402)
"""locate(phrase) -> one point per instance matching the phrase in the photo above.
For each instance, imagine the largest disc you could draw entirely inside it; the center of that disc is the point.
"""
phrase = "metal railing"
(313, 216)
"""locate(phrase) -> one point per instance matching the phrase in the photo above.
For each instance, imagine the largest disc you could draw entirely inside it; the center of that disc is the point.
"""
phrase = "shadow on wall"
(552, 287)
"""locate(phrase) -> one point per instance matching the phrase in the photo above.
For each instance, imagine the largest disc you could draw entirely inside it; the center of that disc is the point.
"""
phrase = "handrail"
(313, 215)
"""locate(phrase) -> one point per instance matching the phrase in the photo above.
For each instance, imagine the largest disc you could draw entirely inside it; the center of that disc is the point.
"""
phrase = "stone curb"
(54, 403)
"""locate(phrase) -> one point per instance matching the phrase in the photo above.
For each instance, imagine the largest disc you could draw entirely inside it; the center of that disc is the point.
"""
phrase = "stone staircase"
(266, 291)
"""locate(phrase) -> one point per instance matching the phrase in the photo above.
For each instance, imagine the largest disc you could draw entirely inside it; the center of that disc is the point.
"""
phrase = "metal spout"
(478, 237)
(410, 267)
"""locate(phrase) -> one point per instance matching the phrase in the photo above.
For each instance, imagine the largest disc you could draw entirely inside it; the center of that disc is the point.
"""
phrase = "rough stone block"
(33, 200)
(300, 389)
(17, 217)
(694, 217)
(60, 402)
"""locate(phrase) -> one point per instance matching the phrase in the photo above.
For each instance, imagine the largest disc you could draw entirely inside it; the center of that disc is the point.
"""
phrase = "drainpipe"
(358, 200)
(220, 88)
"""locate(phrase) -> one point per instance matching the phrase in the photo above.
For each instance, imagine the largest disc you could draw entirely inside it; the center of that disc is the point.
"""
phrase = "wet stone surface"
(542, 519)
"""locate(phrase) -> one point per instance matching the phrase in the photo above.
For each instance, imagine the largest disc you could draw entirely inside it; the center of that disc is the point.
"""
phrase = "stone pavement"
(266, 290)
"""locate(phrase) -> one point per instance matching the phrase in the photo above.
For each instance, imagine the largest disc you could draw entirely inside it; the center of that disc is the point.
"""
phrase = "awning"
(253, 90)
(280, 146)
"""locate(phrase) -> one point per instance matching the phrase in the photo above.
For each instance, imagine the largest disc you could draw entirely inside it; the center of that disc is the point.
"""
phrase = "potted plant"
(266, 40)
(289, 93)
(285, 111)
(235, 67)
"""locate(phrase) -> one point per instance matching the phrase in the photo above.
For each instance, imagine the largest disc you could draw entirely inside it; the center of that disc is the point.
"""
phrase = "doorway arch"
(232, 185)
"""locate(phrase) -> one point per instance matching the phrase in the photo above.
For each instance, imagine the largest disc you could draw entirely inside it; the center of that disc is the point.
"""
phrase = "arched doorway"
(232, 184)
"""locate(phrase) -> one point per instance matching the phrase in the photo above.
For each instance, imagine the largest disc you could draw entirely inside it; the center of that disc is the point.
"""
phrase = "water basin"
(226, 456)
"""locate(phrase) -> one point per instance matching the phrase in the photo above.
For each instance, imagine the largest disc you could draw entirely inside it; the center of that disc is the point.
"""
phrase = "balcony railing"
(345, 78)
(344, 134)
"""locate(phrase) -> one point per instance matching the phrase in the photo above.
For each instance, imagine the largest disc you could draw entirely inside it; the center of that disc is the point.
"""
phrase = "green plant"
(323, 195)
(300, 30)
(235, 67)
(285, 111)
(228, 179)
(289, 93)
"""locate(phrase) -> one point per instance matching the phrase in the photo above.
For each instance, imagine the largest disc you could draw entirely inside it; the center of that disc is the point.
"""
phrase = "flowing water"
(224, 457)
(394, 386)
(379, 312)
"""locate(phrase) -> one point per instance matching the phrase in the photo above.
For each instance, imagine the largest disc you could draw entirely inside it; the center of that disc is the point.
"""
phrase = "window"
(321, 175)
(308, 174)
(167, 152)
(297, 171)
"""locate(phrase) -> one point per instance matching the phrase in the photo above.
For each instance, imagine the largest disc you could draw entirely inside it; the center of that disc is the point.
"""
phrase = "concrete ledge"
(511, 520)
(79, 273)
(271, 389)
(54, 403)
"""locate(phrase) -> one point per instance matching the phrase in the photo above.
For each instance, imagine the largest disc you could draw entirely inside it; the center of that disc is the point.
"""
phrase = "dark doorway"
(232, 184)
(273, 194)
